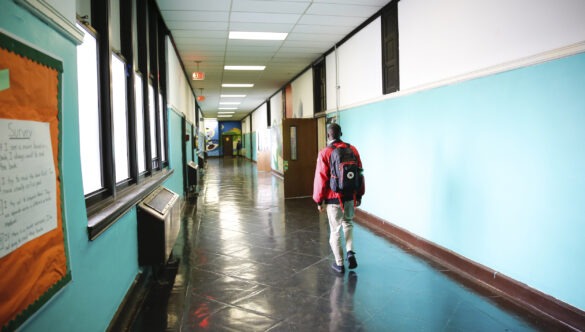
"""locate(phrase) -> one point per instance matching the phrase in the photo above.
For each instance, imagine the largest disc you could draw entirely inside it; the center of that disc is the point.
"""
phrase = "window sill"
(105, 216)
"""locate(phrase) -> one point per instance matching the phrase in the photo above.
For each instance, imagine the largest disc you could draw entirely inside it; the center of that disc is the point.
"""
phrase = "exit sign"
(198, 76)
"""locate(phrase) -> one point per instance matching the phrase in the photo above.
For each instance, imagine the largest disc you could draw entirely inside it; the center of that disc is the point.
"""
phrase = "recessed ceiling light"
(228, 108)
(224, 116)
(238, 85)
(229, 103)
(257, 35)
(228, 112)
(244, 67)
(232, 96)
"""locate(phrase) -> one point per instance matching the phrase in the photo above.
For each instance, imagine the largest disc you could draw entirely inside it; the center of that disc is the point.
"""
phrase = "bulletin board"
(34, 262)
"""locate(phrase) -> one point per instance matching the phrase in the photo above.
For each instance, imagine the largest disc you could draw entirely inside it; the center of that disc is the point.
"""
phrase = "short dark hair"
(334, 130)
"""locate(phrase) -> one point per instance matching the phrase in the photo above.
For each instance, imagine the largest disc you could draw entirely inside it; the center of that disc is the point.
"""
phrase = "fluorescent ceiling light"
(244, 67)
(258, 35)
(228, 112)
(229, 103)
(232, 96)
(224, 116)
(228, 108)
(238, 85)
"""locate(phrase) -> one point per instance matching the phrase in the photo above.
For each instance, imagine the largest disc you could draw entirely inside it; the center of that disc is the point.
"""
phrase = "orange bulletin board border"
(32, 274)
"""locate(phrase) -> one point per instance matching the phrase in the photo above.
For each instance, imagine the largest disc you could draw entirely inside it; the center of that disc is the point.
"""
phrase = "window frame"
(390, 53)
(319, 86)
(91, 32)
(106, 205)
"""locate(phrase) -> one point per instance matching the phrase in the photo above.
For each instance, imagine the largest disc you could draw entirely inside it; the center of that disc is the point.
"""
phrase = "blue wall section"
(104, 269)
(491, 168)
(247, 139)
(254, 146)
(175, 183)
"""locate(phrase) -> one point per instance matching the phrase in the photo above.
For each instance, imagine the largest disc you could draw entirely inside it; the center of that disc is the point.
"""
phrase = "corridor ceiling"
(200, 29)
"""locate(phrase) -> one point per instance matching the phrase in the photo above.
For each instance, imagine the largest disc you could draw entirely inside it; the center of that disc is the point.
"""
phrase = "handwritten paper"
(28, 202)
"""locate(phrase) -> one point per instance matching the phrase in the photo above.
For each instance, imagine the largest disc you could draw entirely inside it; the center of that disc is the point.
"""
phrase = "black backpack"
(345, 172)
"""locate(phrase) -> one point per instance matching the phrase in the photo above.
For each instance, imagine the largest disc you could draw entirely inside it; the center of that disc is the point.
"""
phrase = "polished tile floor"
(248, 260)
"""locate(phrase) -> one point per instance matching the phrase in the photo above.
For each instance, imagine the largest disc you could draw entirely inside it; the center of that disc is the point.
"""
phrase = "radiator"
(159, 223)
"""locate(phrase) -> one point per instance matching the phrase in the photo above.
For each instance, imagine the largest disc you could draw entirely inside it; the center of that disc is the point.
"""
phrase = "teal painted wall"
(253, 146)
(189, 144)
(247, 140)
(491, 168)
(175, 183)
(102, 270)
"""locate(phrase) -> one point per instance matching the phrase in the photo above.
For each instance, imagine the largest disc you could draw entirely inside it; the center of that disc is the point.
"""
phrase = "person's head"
(334, 131)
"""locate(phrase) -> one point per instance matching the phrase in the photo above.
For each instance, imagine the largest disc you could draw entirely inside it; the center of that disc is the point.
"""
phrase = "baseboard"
(131, 304)
(559, 314)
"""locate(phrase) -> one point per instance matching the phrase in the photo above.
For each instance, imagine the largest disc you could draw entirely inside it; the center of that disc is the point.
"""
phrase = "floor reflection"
(248, 260)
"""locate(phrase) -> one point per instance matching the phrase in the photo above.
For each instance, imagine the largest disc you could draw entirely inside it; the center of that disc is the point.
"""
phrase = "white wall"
(359, 68)
(276, 109)
(302, 95)
(259, 118)
(331, 80)
(179, 93)
(246, 125)
(472, 35)
(276, 115)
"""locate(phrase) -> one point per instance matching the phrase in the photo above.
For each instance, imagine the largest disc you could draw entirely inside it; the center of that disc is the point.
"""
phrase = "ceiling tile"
(291, 7)
(195, 25)
(331, 20)
(320, 29)
(200, 5)
(203, 42)
(326, 9)
(261, 26)
(263, 17)
(195, 15)
(323, 37)
(215, 34)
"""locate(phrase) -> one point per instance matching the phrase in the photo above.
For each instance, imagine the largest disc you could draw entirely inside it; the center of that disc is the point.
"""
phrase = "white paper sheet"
(28, 202)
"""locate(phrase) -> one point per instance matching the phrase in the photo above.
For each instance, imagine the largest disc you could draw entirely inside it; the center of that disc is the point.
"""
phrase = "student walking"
(339, 184)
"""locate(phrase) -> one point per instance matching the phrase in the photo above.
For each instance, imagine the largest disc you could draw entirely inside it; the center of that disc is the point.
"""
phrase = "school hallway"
(249, 260)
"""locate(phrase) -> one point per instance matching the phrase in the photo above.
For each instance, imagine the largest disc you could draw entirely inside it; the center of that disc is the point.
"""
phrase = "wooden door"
(299, 140)
(228, 146)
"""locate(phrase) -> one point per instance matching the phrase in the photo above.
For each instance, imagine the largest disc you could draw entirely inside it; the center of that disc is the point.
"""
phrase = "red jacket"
(321, 190)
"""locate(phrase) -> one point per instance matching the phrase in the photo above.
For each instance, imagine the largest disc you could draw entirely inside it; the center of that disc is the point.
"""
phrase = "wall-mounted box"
(159, 222)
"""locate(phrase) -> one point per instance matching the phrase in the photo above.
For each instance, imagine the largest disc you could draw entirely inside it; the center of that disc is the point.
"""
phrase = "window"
(391, 79)
(120, 120)
(319, 86)
(88, 107)
(152, 119)
(163, 150)
(139, 103)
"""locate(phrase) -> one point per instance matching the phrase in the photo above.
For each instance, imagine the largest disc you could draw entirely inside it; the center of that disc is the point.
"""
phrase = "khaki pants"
(340, 219)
